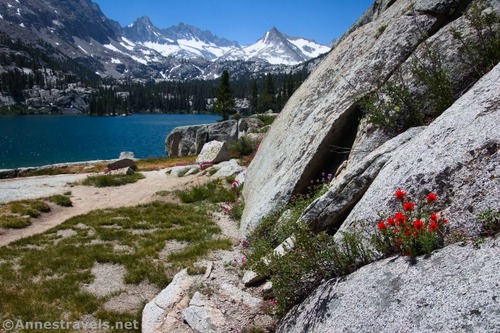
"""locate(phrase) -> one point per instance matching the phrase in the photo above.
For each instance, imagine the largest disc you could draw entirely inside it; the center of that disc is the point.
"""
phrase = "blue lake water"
(40, 140)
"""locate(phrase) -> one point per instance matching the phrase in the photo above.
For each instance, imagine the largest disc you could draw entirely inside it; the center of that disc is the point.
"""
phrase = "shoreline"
(21, 171)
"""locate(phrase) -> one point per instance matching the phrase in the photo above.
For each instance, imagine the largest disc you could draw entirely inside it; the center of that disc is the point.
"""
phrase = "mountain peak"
(272, 36)
(144, 20)
(142, 29)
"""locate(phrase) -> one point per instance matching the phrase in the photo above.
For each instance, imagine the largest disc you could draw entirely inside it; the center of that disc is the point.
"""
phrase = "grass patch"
(14, 222)
(31, 208)
(163, 193)
(112, 180)
(60, 200)
(149, 164)
(64, 170)
(212, 192)
(42, 276)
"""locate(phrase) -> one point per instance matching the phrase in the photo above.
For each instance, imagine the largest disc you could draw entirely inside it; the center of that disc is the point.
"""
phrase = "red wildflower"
(433, 217)
(408, 206)
(398, 240)
(400, 194)
(445, 221)
(433, 226)
(381, 225)
(400, 218)
(418, 225)
(390, 221)
(431, 197)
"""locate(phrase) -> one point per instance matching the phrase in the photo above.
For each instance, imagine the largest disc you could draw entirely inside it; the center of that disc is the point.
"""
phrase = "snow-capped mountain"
(180, 40)
(79, 30)
(186, 41)
(277, 48)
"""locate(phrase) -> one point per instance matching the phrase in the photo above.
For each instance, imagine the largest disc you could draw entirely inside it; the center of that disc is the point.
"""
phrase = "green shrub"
(112, 180)
(266, 119)
(212, 192)
(242, 147)
(490, 222)
(482, 51)
(380, 30)
(392, 107)
(61, 200)
(313, 259)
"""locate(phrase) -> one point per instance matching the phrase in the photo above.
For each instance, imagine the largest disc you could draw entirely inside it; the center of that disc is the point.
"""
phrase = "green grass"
(14, 222)
(212, 192)
(112, 180)
(41, 276)
(60, 200)
(32, 208)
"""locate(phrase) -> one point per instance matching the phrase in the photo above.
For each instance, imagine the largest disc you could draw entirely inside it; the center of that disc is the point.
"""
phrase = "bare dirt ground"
(84, 198)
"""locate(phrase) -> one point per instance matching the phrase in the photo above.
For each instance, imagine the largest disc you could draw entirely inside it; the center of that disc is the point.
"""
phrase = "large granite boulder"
(247, 125)
(454, 290)
(223, 131)
(213, 152)
(319, 124)
(189, 140)
(186, 140)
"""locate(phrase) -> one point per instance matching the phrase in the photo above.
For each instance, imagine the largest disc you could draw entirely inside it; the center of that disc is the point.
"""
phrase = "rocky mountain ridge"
(141, 49)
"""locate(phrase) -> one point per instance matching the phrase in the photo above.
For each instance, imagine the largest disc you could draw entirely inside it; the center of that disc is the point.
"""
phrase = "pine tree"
(224, 102)
(254, 99)
(268, 99)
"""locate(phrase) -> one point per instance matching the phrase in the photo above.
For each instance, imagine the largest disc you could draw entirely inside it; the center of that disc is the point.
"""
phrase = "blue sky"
(245, 21)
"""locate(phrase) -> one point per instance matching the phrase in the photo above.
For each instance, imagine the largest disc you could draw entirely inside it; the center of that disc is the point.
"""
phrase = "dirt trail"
(84, 198)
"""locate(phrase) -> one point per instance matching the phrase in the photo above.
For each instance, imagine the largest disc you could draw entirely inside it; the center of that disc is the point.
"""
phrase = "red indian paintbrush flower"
(418, 225)
(381, 225)
(390, 221)
(433, 226)
(408, 206)
(400, 194)
(431, 197)
(400, 218)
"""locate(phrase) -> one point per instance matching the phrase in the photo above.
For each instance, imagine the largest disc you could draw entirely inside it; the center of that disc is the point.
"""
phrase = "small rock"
(123, 163)
(251, 278)
(267, 287)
